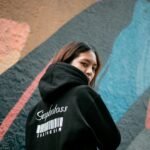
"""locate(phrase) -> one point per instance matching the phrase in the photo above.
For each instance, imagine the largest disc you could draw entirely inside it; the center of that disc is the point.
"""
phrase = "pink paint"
(147, 122)
(11, 116)
(13, 36)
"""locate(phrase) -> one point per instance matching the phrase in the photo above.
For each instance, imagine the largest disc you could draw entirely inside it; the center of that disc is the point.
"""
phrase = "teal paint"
(128, 71)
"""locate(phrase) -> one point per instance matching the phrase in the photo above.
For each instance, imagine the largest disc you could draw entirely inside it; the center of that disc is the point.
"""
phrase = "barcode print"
(49, 127)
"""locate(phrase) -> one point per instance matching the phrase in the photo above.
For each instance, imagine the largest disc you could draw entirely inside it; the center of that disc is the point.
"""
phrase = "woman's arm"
(101, 123)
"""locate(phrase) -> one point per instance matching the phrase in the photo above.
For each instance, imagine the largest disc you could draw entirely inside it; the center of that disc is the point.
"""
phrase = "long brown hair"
(73, 50)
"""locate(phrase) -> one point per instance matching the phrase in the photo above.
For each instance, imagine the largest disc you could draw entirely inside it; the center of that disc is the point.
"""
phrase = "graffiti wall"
(30, 34)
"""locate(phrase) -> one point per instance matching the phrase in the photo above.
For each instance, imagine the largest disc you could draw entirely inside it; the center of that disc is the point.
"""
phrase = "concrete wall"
(25, 25)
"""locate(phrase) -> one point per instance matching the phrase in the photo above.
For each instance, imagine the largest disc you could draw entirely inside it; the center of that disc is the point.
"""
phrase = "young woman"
(71, 115)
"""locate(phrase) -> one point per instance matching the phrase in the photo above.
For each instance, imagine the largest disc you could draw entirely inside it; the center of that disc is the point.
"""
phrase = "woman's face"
(87, 63)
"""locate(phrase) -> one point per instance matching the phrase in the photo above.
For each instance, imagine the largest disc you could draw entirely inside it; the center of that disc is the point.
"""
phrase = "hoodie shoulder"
(85, 95)
(86, 91)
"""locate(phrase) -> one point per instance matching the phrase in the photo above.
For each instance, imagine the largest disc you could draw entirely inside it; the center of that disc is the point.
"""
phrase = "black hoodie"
(71, 115)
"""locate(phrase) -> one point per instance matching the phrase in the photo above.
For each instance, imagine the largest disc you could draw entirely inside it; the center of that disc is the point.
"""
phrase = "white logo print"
(41, 115)
(49, 127)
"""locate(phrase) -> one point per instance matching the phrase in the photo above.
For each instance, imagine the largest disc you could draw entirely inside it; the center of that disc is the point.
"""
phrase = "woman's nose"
(89, 71)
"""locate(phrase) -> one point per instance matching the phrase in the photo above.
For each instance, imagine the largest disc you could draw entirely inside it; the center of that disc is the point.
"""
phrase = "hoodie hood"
(59, 78)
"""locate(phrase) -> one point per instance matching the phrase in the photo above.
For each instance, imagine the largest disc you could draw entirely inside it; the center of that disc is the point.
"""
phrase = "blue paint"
(128, 68)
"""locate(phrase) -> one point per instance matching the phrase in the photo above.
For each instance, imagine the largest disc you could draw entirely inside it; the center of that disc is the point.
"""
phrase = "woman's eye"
(84, 64)
(94, 69)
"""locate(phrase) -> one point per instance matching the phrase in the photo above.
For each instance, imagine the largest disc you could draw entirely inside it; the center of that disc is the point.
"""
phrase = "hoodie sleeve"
(101, 123)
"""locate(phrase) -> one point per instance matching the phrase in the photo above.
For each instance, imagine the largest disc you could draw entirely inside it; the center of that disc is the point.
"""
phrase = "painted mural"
(120, 32)
(13, 36)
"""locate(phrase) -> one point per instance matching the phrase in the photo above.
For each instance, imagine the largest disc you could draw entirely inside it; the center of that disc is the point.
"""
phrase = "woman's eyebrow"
(86, 60)
(89, 61)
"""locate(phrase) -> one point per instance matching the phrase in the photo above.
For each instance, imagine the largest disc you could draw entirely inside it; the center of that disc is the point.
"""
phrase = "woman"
(71, 115)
